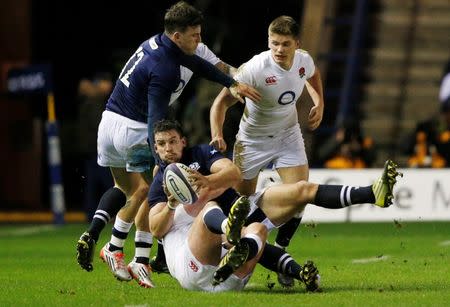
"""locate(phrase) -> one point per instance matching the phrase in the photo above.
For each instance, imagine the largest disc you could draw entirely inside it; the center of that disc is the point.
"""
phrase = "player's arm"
(162, 206)
(217, 117)
(226, 68)
(158, 96)
(315, 90)
(224, 175)
(160, 219)
(212, 73)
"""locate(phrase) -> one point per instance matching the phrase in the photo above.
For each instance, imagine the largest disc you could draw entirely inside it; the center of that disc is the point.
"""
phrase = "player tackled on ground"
(191, 234)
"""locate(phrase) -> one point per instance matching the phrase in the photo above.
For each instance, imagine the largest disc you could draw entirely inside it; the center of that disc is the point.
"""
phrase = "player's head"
(169, 140)
(284, 40)
(182, 23)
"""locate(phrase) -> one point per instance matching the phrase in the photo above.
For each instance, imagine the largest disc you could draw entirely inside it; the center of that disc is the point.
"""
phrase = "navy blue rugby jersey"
(143, 90)
(199, 158)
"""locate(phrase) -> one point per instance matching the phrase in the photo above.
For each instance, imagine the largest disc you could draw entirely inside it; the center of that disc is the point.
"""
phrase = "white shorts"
(122, 142)
(252, 154)
(189, 272)
(254, 201)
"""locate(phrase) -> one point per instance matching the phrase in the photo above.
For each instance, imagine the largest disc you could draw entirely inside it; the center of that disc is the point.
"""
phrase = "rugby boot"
(85, 251)
(236, 219)
(383, 187)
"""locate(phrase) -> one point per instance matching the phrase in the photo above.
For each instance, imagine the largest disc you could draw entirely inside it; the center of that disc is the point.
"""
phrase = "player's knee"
(305, 191)
(141, 192)
(258, 229)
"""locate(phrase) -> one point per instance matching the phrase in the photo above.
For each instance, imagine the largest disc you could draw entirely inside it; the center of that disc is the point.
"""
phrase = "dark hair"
(285, 25)
(180, 16)
(167, 125)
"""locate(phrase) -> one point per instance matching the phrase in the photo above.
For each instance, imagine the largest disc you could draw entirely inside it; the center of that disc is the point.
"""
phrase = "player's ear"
(183, 141)
(176, 36)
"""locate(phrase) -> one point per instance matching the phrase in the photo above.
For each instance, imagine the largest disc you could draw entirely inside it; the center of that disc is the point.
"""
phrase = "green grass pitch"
(376, 264)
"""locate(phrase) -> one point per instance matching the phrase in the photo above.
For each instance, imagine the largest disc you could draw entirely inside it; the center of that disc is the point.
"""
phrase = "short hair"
(167, 125)
(285, 25)
(180, 16)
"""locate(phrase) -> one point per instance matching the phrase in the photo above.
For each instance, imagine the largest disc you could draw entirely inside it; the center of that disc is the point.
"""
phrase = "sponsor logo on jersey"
(193, 266)
(153, 43)
(301, 72)
(286, 98)
(180, 86)
(271, 80)
(194, 166)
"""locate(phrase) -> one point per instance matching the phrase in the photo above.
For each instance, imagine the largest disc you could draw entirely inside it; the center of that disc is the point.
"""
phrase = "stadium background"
(80, 38)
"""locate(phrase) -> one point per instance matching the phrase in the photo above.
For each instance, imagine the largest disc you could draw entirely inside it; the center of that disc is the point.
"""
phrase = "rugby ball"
(176, 180)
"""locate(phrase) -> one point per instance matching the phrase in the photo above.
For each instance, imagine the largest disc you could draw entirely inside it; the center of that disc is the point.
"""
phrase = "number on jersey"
(135, 59)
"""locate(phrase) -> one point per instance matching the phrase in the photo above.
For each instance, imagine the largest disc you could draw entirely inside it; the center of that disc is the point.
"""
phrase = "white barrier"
(421, 195)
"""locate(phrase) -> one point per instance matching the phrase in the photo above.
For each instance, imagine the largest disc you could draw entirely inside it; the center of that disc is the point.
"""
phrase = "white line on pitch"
(445, 243)
(25, 231)
(372, 259)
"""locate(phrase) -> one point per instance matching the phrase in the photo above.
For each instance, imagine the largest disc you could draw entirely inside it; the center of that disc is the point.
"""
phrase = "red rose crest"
(301, 72)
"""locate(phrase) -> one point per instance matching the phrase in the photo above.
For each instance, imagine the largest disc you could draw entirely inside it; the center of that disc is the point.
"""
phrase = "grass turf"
(377, 264)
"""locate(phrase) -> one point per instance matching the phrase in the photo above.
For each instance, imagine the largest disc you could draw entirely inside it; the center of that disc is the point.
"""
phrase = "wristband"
(170, 207)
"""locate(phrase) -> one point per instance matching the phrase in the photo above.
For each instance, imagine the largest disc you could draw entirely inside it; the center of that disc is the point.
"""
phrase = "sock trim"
(283, 261)
(121, 225)
(257, 240)
(143, 236)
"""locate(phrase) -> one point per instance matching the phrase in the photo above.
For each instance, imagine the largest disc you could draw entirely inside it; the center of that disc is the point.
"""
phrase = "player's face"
(283, 48)
(169, 145)
(189, 39)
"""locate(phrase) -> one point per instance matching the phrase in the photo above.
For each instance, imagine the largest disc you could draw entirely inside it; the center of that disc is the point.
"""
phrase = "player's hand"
(172, 203)
(241, 90)
(315, 117)
(198, 181)
(219, 143)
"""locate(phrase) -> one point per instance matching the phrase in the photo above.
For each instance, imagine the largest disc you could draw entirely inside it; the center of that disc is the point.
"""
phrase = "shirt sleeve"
(309, 65)
(161, 86)
(246, 73)
(210, 155)
(207, 70)
(156, 193)
(205, 53)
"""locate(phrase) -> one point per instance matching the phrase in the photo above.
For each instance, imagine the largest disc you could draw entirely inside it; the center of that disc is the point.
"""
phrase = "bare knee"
(141, 192)
(258, 229)
(306, 192)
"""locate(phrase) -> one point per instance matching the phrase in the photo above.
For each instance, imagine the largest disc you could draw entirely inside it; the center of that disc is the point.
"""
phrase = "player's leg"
(242, 258)
(109, 204)
(216, 221)
(136, 189)
(247, 186)
(251, 156)
(278, 260)
(247, 243)
(143, 241)
(287, 230)
(158, 262)
(280, 203)
(205, 236)
(204, 244)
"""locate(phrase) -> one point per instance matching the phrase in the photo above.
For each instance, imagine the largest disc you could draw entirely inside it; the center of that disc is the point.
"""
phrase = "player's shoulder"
(301, 53)
(259, 61)
(205, 150)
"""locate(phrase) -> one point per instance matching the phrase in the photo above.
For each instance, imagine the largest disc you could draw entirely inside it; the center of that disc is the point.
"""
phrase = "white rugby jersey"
(186, 74)
(280, 89)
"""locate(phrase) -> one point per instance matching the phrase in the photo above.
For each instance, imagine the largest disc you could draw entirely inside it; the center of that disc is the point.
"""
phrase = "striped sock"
(143, 242)
(339, 196)
(119, 234)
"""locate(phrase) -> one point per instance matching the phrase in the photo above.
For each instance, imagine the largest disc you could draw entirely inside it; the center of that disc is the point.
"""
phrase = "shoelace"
(119, 260)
